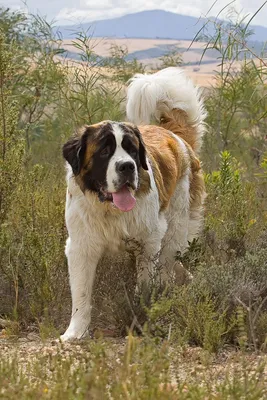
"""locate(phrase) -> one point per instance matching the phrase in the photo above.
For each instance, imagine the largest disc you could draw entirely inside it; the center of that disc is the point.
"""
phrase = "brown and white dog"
(127, 182)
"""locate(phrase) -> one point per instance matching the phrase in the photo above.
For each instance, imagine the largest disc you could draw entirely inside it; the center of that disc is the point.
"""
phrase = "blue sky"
(73, 11)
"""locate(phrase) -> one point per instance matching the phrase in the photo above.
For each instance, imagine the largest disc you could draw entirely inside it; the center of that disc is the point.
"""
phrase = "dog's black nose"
(126, 167)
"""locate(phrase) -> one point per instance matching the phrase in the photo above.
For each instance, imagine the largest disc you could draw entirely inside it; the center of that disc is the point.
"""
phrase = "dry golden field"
(201, 74)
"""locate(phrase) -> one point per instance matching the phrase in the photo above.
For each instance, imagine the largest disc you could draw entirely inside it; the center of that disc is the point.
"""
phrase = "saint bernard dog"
(134, 181)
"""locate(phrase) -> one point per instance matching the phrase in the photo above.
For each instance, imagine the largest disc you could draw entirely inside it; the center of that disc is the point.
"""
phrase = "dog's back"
(171, 99)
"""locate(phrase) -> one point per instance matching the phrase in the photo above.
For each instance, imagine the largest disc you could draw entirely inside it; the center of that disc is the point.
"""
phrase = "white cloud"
(71, 11)
(99, 5)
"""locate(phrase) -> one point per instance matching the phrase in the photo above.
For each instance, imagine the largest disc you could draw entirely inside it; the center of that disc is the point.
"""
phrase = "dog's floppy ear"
(72, 152)
(75, 148)
(142, 149)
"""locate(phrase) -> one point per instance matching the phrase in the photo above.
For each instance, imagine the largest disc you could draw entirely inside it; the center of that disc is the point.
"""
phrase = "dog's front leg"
(82, 262)
(147, 260)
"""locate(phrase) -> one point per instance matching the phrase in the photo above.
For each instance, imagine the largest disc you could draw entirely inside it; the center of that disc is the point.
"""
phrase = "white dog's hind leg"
(82, 264)
(176, 238)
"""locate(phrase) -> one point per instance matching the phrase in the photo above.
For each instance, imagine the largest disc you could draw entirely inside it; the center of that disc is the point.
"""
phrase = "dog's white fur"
(92, 231)
(120, 155)
(170, 88)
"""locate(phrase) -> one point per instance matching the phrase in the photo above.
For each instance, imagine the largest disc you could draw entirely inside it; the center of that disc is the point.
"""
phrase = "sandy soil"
(102, 45)
(189, 364)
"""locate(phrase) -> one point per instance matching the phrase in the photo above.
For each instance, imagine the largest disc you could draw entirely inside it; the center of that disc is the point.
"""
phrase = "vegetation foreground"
(203, 340)
(137, 369)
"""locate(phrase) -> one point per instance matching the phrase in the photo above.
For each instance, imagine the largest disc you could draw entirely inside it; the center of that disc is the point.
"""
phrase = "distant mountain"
(151, 24)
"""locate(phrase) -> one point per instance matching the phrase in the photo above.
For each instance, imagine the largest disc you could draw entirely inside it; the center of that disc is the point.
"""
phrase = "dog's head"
(106, 159)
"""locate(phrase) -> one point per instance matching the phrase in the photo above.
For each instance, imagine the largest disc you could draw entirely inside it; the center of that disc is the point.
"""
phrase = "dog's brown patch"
(168, 159)
(176, 121)
(91, 132)
(145, 184)
(90, 150)
(197, 184)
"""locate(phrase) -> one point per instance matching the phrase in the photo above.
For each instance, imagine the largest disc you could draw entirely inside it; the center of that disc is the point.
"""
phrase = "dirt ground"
(189, 364)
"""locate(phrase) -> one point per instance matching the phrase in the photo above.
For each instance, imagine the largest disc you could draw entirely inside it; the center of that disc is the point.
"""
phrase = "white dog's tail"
(171, 98)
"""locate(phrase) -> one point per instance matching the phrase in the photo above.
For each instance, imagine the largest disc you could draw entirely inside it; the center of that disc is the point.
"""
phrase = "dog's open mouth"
(123, 199)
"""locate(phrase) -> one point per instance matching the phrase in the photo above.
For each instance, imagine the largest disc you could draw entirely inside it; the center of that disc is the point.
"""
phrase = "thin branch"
(3, 116)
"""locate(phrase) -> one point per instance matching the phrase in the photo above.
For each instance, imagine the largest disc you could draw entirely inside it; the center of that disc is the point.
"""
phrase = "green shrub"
(233, 211)
(236, 102)
(32, 243)
(190, 316)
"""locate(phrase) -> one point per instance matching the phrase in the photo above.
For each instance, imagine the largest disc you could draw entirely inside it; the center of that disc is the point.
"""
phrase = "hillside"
(151, 24)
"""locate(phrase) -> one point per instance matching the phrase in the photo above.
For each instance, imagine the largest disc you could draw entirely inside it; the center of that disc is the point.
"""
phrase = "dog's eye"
(105, 152)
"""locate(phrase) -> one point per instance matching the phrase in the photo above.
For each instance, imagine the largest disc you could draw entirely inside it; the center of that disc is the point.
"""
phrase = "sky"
(65, 12)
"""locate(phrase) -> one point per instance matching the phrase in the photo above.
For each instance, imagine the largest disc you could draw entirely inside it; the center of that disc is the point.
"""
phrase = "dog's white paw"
(72, 334)
(67, 337)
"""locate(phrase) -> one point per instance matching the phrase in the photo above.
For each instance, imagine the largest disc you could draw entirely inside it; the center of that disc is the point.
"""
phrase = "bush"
(234, 213)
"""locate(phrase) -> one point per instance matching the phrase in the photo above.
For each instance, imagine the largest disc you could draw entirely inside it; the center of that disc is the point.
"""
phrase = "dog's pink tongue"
(123, 199)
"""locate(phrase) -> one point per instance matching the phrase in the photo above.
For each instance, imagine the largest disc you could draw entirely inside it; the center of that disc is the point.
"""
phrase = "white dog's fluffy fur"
(168, 186)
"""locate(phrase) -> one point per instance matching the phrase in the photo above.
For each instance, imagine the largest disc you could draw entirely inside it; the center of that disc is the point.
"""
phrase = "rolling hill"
(151, 24)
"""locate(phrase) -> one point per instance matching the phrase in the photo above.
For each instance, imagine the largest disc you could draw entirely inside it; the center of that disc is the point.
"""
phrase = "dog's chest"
(125, 229)
(87, 218)
(128, 230)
